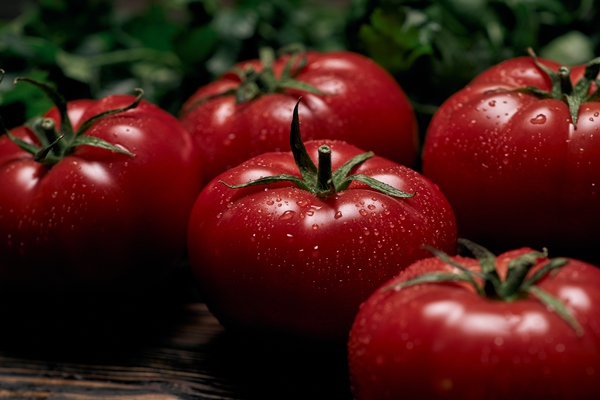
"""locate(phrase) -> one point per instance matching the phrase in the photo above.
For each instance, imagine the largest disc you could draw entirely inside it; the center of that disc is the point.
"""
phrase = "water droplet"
(302, 203)
(263, 135)
(492, 103)
(270, 202)
(287, 215)
(338, 215)
(54, 194)
(591, 119)
(315, 252)
(363, 212)
(538, 119)
(371, 207)
(310, 213)
(315, 227)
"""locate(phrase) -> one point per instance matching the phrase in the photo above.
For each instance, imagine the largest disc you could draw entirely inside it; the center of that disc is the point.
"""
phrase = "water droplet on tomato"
(287, 215)
(302, 203)
(363, 212)
(338, 215)
(492, 103)
(315, 252)
(315, 227)
(538, 119)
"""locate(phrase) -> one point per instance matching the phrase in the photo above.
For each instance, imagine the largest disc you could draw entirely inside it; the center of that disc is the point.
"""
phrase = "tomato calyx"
(257, 83)
(55, 145)
(320, 179)
(563, 89)
(516, 285)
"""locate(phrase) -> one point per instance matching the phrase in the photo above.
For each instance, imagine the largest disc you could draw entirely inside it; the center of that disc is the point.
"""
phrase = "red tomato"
(96, 216)
(442, 340)
(517, 167)
(280, 258)
(363, 105)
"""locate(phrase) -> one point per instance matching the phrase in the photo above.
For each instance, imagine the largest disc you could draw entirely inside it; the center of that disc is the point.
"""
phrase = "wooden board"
(166, 346)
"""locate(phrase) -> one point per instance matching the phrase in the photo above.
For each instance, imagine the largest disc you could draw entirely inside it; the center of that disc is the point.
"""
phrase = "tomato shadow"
(88, 327)
(280, 368)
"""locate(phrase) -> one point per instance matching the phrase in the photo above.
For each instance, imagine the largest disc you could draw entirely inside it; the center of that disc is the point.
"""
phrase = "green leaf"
(267, 180)
(97, 142)
(557, 306)
(433, 277)
(378, 185)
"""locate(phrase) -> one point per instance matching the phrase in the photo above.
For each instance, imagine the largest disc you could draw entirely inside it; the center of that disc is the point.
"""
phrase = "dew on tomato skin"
(338, 215)
(363, 212)
(303, 203)
(538, 119)
(315, 227)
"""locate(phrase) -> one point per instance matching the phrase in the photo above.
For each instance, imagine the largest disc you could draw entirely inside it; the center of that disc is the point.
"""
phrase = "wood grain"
(160, 346)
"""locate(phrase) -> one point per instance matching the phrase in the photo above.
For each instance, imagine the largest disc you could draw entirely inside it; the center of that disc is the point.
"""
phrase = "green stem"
(564, 75)
(324, 171)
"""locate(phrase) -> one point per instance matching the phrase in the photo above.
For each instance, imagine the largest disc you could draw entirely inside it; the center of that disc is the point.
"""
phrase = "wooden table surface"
(164, 347)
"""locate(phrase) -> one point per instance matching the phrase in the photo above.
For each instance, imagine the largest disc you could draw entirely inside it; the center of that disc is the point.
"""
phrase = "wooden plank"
(164, 348)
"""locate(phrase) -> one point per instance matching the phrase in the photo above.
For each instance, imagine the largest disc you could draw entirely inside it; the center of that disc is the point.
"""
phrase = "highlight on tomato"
(290, 243)
(517, 326)
(516, 153)
(346, 96)
(96, 196)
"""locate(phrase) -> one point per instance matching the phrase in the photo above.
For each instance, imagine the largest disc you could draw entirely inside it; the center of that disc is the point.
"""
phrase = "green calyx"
(516, 285)
(563, 89)
(321, 180)
(55, 145)
(257, 83)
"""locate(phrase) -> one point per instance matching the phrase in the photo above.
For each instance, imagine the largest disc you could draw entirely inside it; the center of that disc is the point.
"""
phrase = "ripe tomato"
(517, 165)
(298, 255)
(88, 217)
(346, 97)
(444, 340)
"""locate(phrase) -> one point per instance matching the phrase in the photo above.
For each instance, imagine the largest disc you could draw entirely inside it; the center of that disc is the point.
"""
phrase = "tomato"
(346, 97)
(516, 165)
(287, 248)
(430, 336)
(110, 212)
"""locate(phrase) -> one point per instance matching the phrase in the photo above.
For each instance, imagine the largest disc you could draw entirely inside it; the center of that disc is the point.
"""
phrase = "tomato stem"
(56, 145)
(254, 84)
(515, 286)
(563, 89)
(325, 174)
(322, 181)
(564, 75)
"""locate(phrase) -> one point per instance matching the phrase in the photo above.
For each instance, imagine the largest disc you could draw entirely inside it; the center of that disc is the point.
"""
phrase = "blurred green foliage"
(171, 47)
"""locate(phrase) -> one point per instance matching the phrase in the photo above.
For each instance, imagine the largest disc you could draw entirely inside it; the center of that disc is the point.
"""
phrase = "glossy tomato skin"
(444, 341)
(513, 166)
(280, 259)
(364, 106)
(98, 219)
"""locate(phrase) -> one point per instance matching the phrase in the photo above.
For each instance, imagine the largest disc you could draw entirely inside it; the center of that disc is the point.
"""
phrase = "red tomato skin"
(280, 259)
(514, 167)
(98, 218)
(444, 341)
(365, 107)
